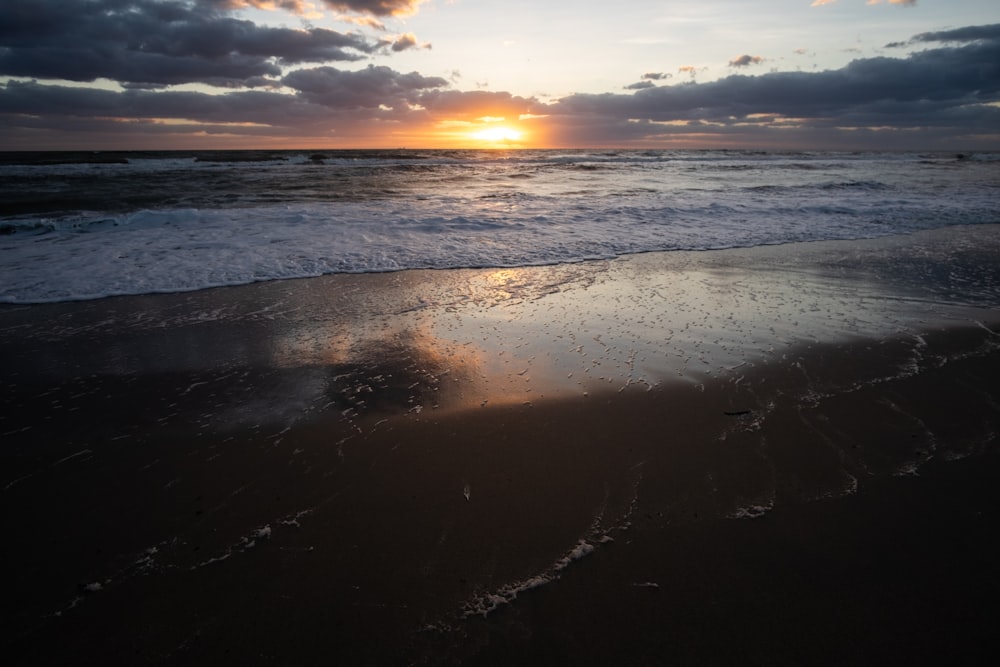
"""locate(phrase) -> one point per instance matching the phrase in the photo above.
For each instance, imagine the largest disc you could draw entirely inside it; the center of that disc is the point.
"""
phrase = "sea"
(77, 226)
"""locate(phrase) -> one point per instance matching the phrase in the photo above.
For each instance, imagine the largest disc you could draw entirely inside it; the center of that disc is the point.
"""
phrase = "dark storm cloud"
(959, 35)
(969, 34)
(927, 88)
(376, 7)
(38, 100)
(365, 89)
(147, 42)
(319, 91)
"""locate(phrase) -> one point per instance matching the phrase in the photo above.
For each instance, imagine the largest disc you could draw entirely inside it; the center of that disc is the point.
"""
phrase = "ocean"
(76, 226)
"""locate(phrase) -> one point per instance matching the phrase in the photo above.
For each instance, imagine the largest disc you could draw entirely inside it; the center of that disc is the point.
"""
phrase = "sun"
(498, 135)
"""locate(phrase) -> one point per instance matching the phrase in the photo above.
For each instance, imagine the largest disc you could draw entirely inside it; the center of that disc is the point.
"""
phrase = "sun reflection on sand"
(504, 283)
(468, 342)
(421, 340)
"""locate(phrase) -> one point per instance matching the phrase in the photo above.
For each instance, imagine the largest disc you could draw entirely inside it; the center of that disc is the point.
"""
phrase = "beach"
(781, 454)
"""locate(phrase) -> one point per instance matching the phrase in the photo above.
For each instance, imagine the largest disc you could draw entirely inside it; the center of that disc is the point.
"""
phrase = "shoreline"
(752, 251)
(354, 467)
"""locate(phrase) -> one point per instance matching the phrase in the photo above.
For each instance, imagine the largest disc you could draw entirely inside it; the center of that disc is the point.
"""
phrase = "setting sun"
(498, 135)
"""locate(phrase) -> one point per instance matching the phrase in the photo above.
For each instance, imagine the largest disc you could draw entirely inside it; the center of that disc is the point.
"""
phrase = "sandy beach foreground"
(778, 455)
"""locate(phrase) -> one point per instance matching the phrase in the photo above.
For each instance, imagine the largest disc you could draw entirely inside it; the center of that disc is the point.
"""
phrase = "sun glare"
(497, 135)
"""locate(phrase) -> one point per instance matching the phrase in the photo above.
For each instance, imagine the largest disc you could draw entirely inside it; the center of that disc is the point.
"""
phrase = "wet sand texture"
(782, 455)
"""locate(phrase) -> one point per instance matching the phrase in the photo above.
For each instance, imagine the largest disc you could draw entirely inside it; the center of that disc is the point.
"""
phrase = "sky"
(326, 74)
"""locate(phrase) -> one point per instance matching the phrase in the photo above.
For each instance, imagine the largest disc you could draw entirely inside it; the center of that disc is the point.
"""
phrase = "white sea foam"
(754, 509)
(485, 604)
(246, 543)
(238, 223)
(597, 534)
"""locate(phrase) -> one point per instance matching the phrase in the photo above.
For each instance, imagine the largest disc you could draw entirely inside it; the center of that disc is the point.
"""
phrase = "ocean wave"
(167, 223)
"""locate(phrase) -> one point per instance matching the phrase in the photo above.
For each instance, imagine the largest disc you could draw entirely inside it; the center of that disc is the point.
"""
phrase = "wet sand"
(777, 455)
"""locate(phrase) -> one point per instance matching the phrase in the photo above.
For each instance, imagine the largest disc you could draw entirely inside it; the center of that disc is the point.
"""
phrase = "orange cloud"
(408, 41)
(746, 60)
(370, 7)
(690, 70)
(296, 6)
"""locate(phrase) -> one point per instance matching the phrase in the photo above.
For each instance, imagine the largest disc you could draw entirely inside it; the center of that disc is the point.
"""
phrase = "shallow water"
(168, 222)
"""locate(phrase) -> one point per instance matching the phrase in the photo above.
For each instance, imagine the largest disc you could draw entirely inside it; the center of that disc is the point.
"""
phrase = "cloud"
(907, 3)
(369, 88)
(372, 7)
(157, 43)
(371, 107)
(367, 106)
(294, 6)
(947, 92)
(969, 34)
(647, 79)
(690, 70)
(469, 105)
(366, 21)
(745, 61)
(35, 99)
(964, 75)
(949, 89)
(959, 35)
(376, 7)
(407, 41)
